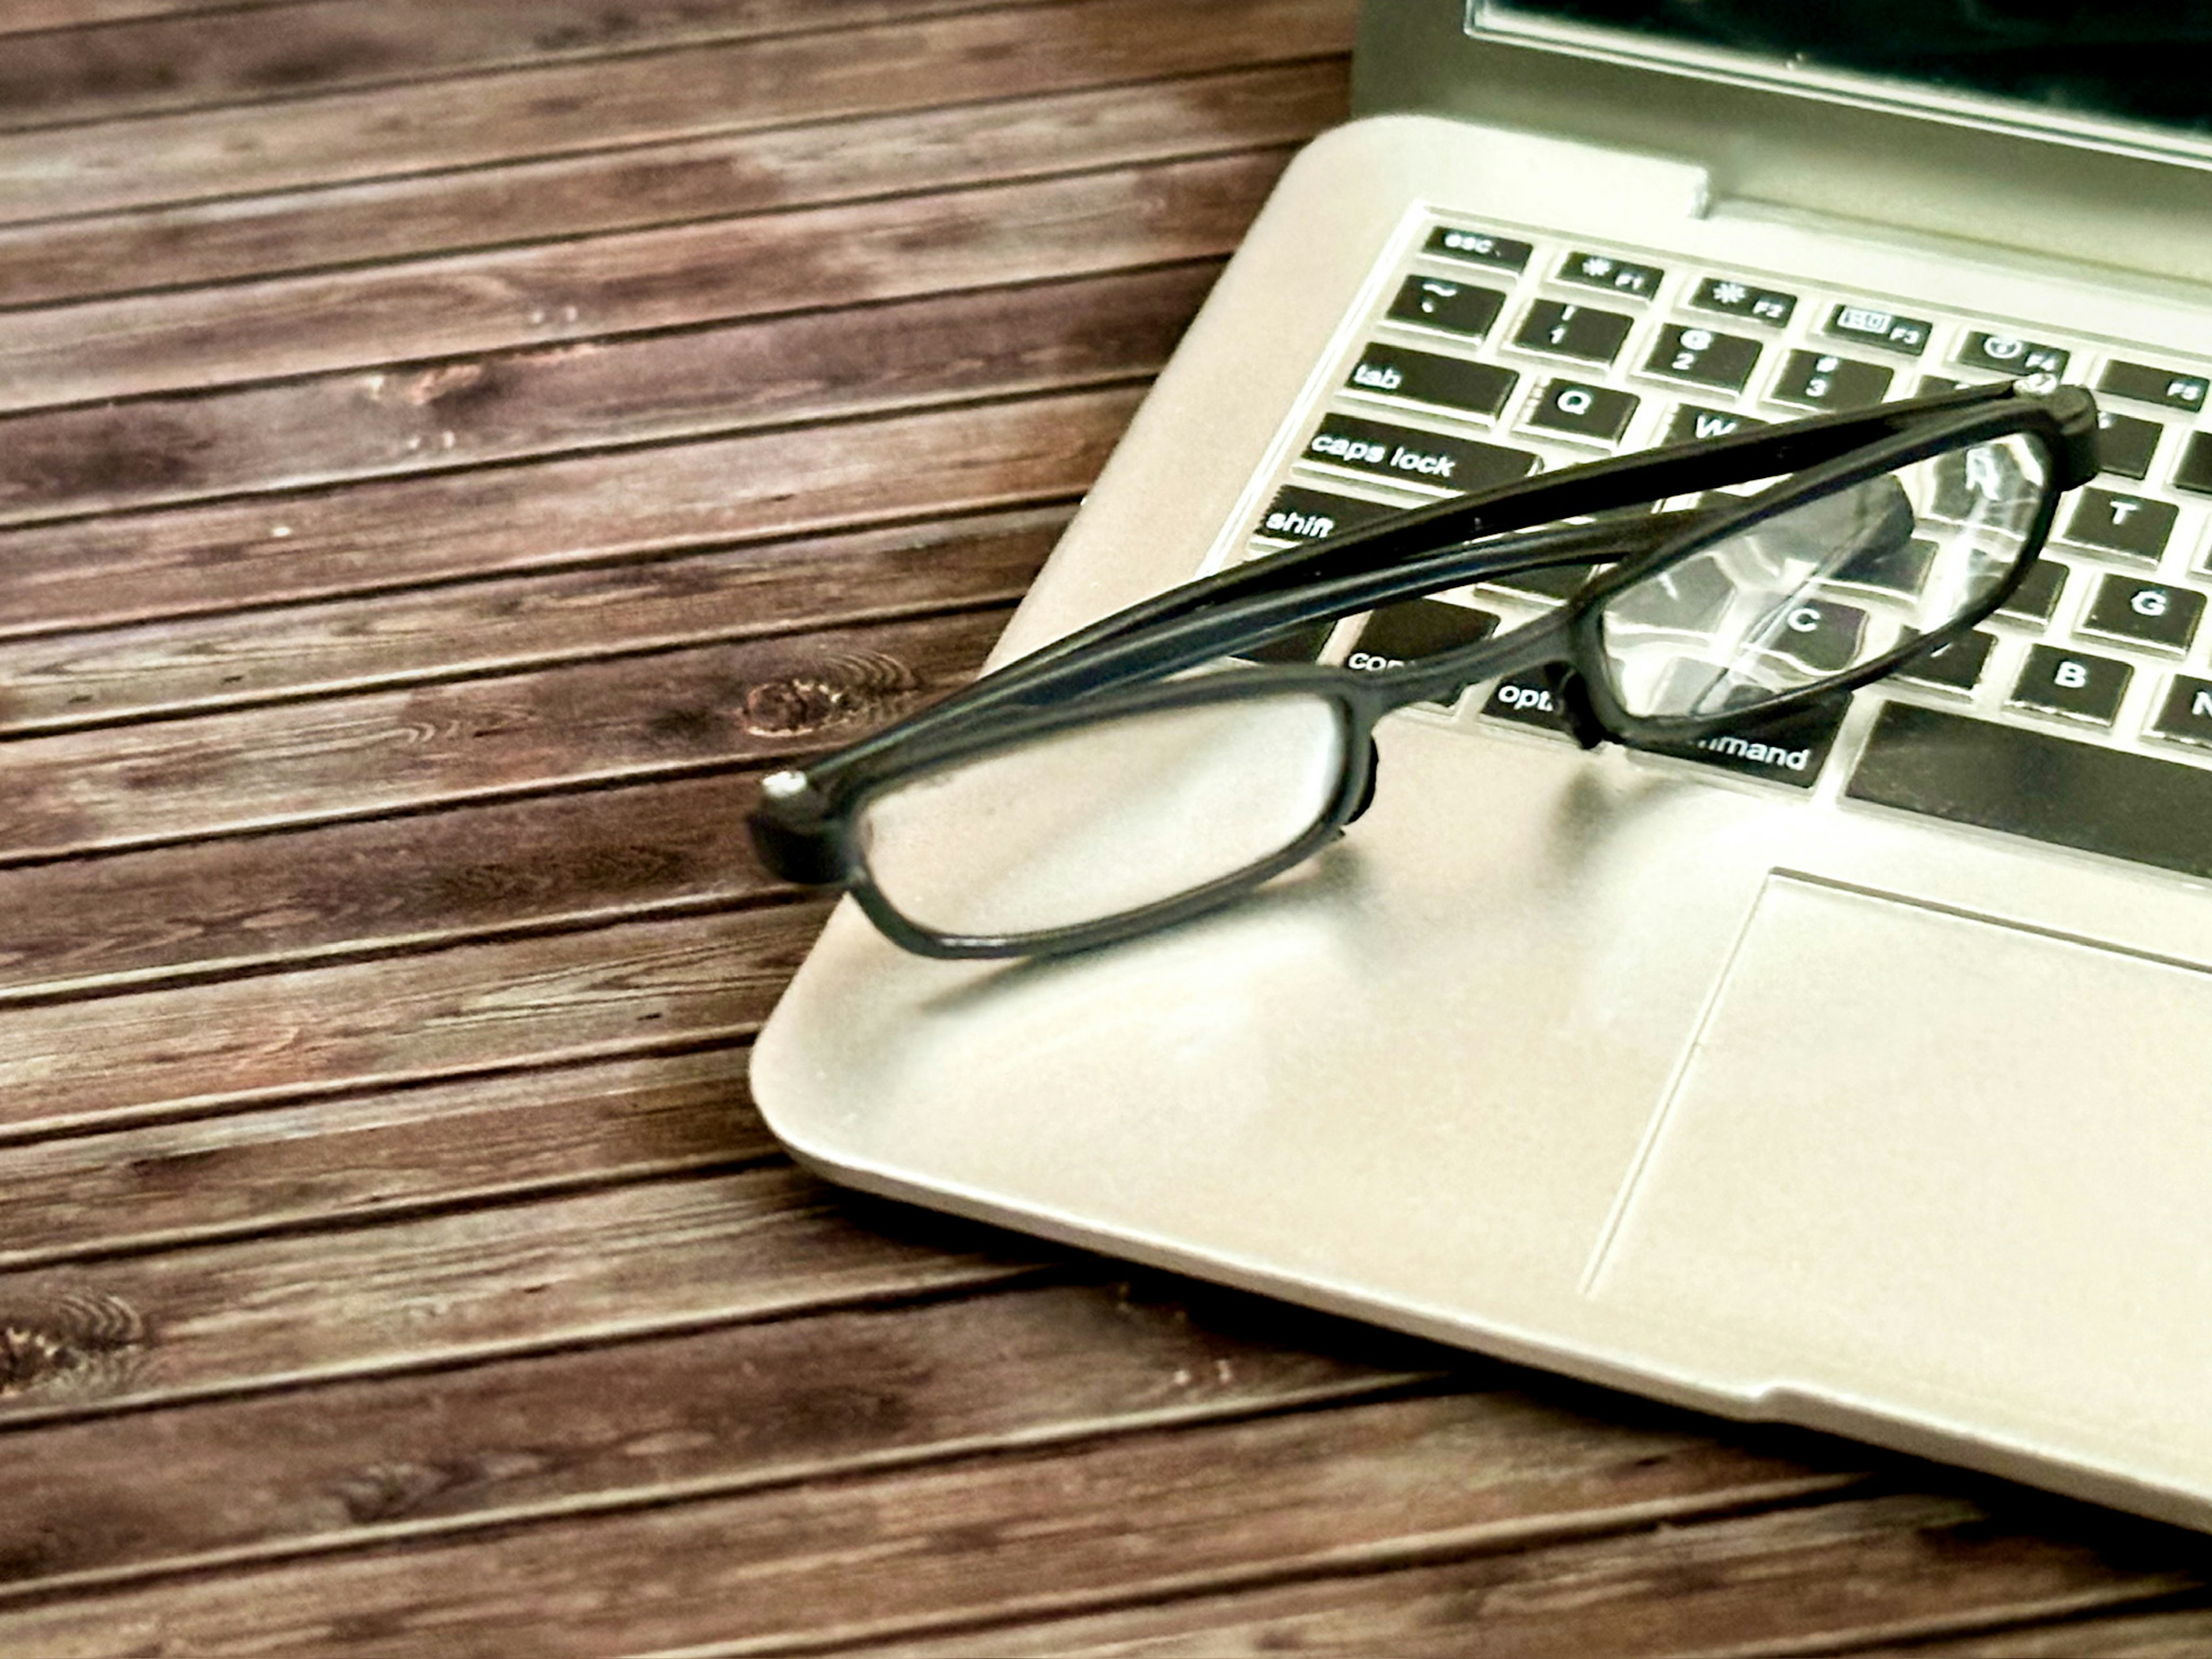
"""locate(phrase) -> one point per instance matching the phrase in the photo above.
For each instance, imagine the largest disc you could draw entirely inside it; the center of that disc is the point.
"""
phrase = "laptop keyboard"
(2080, 715)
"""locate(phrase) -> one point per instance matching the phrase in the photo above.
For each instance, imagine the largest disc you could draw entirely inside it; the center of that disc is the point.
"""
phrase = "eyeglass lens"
(1825, 586)
(1104, 819)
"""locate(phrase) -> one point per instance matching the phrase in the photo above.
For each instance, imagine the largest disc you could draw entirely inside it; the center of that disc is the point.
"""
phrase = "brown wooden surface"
(448, 449)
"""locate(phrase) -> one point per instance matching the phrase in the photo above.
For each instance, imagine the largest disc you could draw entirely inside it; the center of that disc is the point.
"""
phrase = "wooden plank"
(202, 665)
(1839, 1579)
(224, 58)
(278, 1039)
(379, 1154)
(381, 536)
(27, 16)
(2182, 1633)
(661, 184)
(591, 1267)
(649, 98)
(816, 366)
(654, 715)
(1133, 1518)
(811, 258)
(421, 880)
(720, 1410)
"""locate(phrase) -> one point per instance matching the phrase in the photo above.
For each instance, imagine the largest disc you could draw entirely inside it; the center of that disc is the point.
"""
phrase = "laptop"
(1857, 1076)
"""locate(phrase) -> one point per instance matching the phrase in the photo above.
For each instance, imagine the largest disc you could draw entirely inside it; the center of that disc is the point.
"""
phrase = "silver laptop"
(1860, 1077)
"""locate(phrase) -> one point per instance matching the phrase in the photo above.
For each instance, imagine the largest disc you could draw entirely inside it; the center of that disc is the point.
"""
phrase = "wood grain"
(27, 16)
(382, 537)
(495, 1277)
(725, 1409)
(1133, 1518)
(2183, 1633)
(649, 98)
(629, 189)
(273, 1039)
(200, 911)
(199, 665)
(658, 714)
(231, 59)
(379, 1154)
(684, 275)
(505, 406)
(1843, 1577)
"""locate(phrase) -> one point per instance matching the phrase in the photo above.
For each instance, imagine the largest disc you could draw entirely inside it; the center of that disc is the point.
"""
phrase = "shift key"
(2047, 788)
(1403, 452)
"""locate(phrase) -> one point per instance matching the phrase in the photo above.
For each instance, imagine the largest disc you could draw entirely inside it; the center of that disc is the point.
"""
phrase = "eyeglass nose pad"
(1571, 698)
(1367, 796)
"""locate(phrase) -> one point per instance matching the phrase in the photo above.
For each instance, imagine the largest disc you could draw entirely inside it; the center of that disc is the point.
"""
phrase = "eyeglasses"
(1125, 777)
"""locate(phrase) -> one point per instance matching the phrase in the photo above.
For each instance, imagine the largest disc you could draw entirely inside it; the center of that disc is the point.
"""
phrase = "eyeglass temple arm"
(1599, 487)
(1170, 647)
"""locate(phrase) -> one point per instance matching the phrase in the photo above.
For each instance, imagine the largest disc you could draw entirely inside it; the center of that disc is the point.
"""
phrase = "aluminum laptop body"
(1822, 1084)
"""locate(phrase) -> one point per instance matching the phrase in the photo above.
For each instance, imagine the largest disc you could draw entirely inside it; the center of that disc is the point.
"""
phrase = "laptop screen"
(2115, 67)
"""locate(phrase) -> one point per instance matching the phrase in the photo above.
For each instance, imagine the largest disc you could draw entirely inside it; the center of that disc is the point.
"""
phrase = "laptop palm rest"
(1926, 1166)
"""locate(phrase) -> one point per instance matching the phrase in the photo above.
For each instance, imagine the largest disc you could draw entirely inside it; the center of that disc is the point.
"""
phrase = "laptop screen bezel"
(1515, 24)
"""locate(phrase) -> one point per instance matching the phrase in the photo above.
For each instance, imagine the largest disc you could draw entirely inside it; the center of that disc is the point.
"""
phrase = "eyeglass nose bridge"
(1571, 698)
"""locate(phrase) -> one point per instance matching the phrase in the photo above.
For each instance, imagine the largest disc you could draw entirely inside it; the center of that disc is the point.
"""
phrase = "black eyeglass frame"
(803, 826)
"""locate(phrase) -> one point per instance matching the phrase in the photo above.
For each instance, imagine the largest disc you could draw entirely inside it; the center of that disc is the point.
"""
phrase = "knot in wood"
(74, 1343)
(865, 689)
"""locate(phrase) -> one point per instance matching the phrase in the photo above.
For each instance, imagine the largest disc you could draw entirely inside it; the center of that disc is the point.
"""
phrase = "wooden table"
(449, 449)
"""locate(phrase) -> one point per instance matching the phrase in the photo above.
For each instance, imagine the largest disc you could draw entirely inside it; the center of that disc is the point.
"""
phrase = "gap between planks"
(695, 383)
(714, 1412)
(1153, 1514)
(513, 203)
(796, 260)
(576, 109)
(621, 507)
(216, 58)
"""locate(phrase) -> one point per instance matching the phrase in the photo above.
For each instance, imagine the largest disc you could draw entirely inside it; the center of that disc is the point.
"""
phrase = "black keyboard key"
(2007, 353)
(1300, 644)
(1603, 271)
(2145, 613)
(1299, 514)
(1691, 424)
(2125, 444)
(1819, 637)
(1588, 411)
(1698, 354)
(1741, 299)
(1872, 325)
(1573, 331)
(2037, 596)
(1956, 665)
(2146, 385)
(1789, 751)
(1423, 376)
(1400, 452)
(1971, 482)
(1819, 380)
(1893, 566)
(1400, 634)
(2186, 716)
(1478, 247)
(2072, 682)
(1454, 307)
(1934, 385)
(2032, 783)
(1525, 700)
(2121, 524)
(2194, 473)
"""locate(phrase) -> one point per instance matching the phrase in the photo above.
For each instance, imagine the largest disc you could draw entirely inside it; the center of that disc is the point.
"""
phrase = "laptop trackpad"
(1939, 1166)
